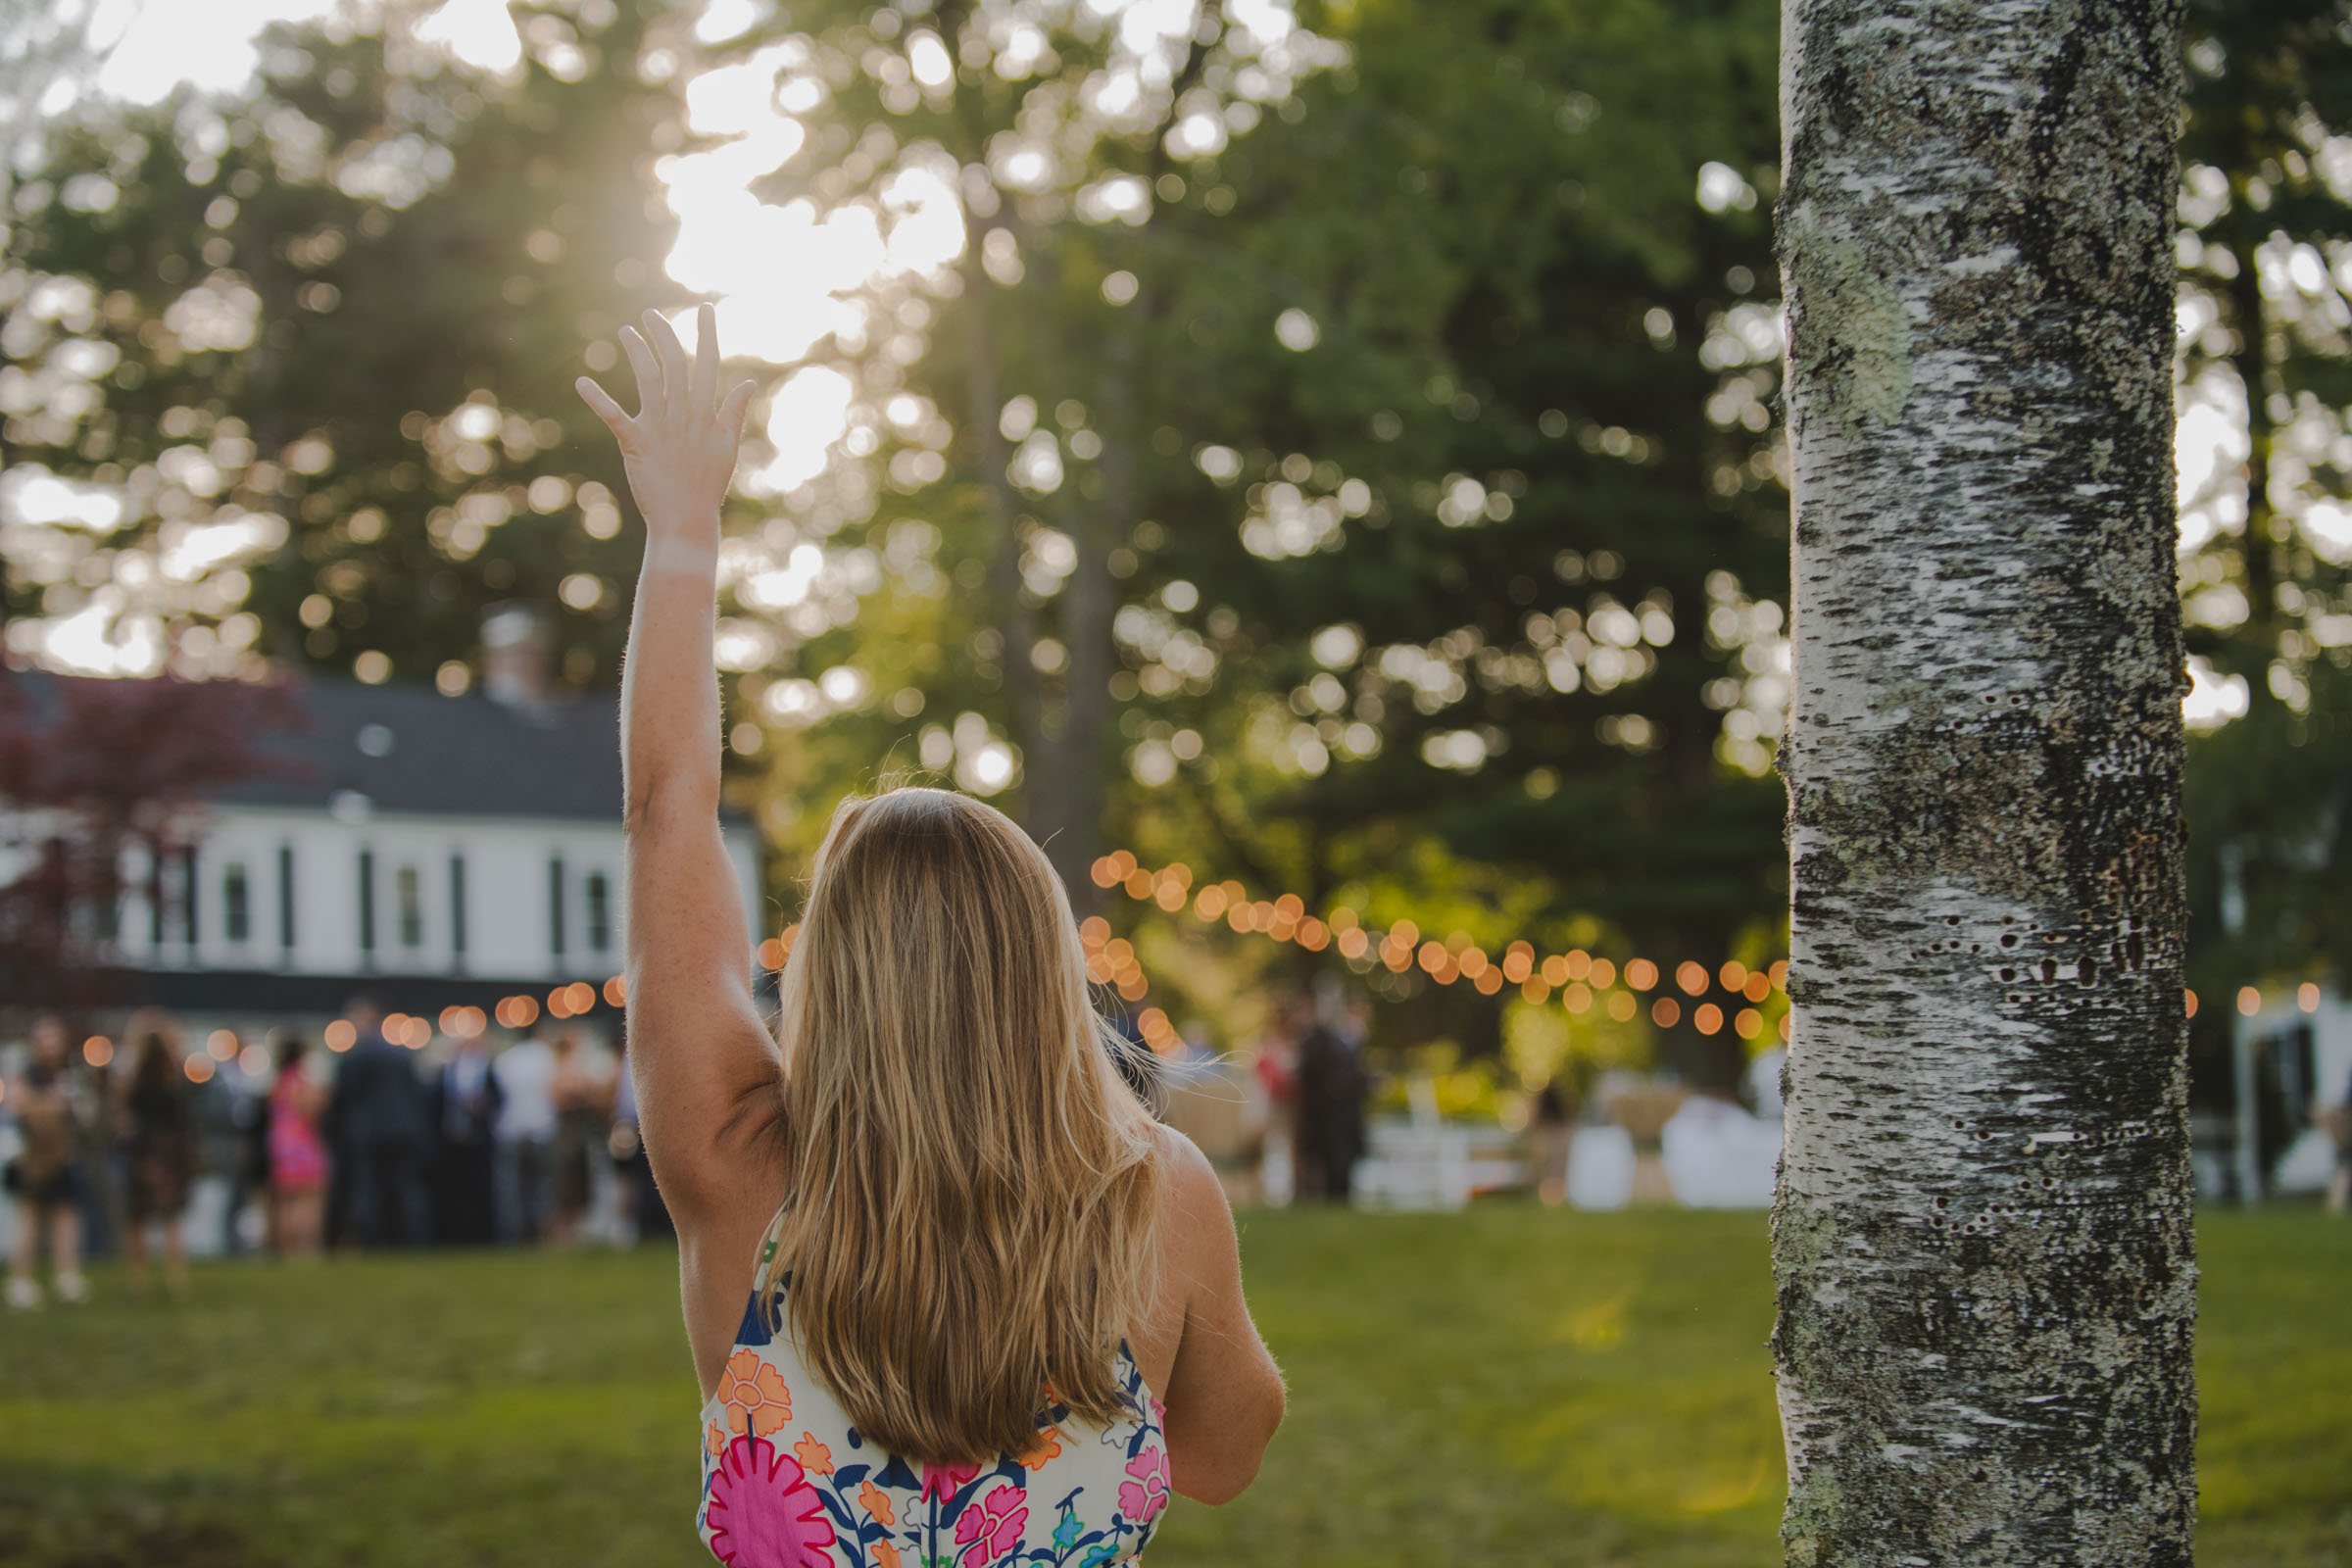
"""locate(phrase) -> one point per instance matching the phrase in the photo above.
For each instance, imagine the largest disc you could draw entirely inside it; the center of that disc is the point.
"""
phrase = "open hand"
(680, 446)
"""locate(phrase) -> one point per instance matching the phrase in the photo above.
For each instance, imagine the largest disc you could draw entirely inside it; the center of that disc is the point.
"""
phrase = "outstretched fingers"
(678, 375)
(739, 401)
(704, 386)
(600, 404)
(649, 397)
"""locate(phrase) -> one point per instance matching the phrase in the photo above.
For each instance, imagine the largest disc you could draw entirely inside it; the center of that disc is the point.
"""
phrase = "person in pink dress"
(297, 1155)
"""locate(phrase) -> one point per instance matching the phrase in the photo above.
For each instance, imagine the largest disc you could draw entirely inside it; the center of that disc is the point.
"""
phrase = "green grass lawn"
(1511, 1386)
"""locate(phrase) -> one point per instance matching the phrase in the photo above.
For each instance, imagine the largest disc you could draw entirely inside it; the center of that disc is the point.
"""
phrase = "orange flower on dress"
(755, 1394)
(886, 1556)
(875, 1501)
(714, 1442)
(814, 1456)
(1048, 1444)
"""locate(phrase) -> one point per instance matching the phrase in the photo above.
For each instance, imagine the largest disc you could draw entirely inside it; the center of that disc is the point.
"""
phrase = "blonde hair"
(972, 1185)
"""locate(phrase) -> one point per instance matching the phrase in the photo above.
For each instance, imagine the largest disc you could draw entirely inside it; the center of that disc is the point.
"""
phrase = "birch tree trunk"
(1982, 1246)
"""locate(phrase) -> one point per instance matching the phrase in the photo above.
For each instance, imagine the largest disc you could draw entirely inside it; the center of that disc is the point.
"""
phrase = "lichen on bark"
(1982, 1244)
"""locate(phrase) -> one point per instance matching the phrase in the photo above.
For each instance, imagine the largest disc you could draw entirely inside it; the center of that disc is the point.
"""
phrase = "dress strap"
(769, 1241)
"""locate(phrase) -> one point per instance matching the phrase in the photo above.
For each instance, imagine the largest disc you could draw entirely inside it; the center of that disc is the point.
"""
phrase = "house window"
(154, 897)
(190, 890)
(367, 900)
(555, 906)
(409, 891)
(456, 904)
(600, 913)
(236, 903)
(285, 896)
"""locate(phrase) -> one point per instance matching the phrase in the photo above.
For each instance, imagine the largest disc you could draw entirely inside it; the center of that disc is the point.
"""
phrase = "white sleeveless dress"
(789, 1482)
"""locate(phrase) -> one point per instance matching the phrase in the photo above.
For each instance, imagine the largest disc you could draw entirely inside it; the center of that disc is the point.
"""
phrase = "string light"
(1581, 978)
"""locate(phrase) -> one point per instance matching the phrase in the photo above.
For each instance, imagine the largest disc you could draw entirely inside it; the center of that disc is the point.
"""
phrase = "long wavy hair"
(972, 1187)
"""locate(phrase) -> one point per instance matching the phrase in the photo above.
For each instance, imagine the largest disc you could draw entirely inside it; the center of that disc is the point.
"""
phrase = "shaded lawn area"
(1510, 1385)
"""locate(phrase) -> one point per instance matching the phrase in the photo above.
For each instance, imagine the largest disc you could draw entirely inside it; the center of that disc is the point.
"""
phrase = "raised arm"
(707, 1071)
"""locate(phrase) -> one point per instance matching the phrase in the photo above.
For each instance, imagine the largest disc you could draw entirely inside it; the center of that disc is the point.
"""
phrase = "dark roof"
(409, 749)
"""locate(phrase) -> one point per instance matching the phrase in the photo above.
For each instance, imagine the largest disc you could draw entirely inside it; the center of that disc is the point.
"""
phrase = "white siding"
(509, 924)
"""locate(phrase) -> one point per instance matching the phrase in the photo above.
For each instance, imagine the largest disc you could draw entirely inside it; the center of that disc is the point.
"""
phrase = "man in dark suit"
(384, 1126)
(467, 1099)
(1332, 1084)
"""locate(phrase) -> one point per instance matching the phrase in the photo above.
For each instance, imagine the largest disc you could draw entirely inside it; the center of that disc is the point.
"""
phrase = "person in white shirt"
(1764, 1080)
(526, 1138)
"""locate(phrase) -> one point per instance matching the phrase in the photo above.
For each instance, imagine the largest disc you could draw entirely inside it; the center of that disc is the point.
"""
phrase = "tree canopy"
(1330, 445)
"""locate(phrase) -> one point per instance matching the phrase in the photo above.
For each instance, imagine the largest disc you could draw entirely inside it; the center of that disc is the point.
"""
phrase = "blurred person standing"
(1550, 1129)
(1331, 1106)
(2338, 1120)
(245, 1149)
(47, 1180)
(155, 1112)
(384, 1122)
(583, 1100)
(1276, 1066)
(466, 1100)
(644, 1215)
(526, 1138)
(296, 1155)
(1763, 1081)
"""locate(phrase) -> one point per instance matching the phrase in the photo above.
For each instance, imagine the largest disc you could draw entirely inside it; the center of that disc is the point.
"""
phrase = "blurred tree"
(101, 780)
(294, 370)
(1327, 443)
(48, 55)
(2265, 348)
(998, 426)
(1483, 388)
(1221, 375)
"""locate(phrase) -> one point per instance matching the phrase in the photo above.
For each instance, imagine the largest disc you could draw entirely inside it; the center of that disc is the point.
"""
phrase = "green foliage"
(1503, 1387)
(2267, 216)
(325, 340)
(1348, 467)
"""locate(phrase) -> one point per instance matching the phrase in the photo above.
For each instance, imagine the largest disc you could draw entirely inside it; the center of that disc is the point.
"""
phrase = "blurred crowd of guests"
(374, 1146)
(1283, 1121)
(1312, 1070)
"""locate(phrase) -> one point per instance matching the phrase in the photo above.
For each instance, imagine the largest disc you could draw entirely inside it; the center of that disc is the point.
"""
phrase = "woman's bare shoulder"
(1191, 1198)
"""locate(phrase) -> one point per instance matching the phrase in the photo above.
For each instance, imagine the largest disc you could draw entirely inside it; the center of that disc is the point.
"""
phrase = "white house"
(423, 850)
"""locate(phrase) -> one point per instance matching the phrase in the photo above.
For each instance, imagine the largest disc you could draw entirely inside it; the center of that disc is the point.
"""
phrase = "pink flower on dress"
(991, 1526)
(943, 1481)
(764, 1512)
(1143, 1498)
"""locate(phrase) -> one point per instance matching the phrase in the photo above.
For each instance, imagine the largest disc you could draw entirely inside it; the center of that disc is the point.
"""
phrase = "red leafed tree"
(89, 771)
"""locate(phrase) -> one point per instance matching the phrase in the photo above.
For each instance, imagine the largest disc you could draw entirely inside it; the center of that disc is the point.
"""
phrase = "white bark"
(1982, 1246)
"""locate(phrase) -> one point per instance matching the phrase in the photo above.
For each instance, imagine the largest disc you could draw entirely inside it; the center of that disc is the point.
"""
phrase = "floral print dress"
(789, 1482)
